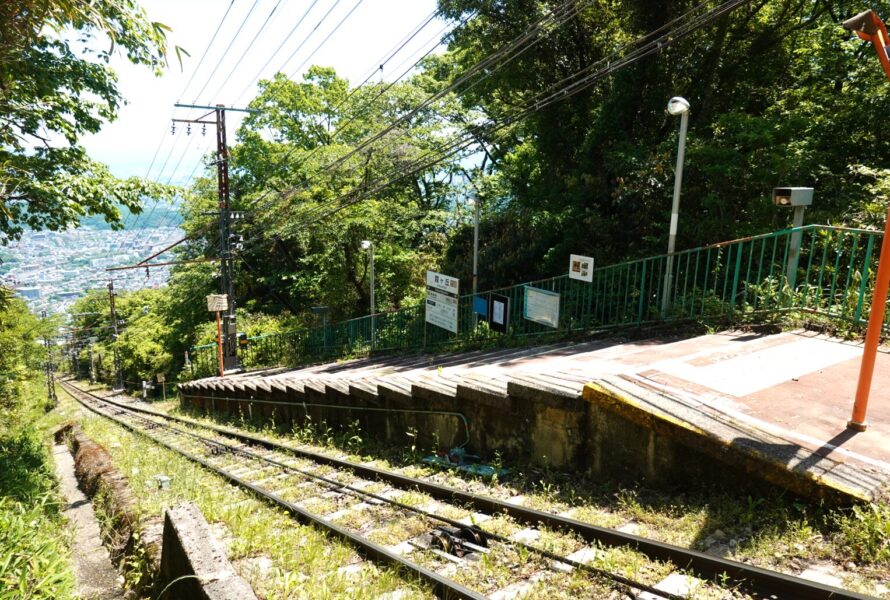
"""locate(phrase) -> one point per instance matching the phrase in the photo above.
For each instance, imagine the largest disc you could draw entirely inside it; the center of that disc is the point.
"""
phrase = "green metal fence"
(831, 274)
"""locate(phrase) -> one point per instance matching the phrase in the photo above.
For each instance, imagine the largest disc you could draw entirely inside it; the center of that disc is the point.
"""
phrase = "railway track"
(438, 534)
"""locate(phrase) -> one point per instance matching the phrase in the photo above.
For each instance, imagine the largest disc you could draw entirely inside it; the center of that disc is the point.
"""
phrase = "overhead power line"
(247, 49)
(226, 51)
(309, 35)
(486, 66)
(287, 38)
(327, 37)
(556, 92)
(206, 49)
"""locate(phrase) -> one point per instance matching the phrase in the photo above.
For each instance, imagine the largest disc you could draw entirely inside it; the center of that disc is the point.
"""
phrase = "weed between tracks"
(772, 529)
(279, 557)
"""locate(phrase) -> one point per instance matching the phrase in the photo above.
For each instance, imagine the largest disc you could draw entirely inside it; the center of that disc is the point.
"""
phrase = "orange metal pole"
(873, 335)
(219, 349)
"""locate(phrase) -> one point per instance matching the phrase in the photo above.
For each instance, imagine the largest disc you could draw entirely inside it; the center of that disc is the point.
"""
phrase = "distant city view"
(53, 269)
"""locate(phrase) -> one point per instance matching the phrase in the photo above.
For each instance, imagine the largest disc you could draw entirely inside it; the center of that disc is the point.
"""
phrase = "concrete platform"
(774, 405)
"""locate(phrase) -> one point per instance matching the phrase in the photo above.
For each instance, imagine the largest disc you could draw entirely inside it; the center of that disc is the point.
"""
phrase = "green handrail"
(744, 278)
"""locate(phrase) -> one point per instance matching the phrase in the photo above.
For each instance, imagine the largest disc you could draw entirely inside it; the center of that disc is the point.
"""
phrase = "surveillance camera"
(793, 196)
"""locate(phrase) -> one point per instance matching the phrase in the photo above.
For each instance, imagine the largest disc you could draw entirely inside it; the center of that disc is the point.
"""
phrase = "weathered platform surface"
(774, 405)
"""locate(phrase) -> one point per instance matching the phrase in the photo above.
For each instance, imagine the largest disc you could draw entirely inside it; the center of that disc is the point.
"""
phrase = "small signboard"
(162, 378)
(581, 268)
(441, 300)
(217, 302)
(480, 305)
(541, 306)
(498, 313)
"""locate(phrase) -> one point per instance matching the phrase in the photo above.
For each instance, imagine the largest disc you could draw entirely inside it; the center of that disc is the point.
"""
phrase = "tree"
(303, 242)
(51, 95)
(23, 353)
(780, 95)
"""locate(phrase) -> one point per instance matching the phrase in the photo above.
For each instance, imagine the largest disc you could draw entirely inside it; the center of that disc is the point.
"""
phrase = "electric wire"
(327, 37)
(207, 49)
(309, 35)
(488, 65)
(226, 51)
(181, 94)
(582, 79)
(517, 46)
(247, 48)
(287, 38)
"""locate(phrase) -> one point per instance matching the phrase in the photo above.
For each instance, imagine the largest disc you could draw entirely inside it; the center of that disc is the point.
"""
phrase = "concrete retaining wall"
(180, 546)
(535, 419)
(193, 564)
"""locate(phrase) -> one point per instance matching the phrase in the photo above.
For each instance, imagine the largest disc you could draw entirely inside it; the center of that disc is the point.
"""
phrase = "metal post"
(50, 378)
(92, 365)
(219, 346)
(476, 246)
(675, 216)
(475, 256)
(794, 250)
(873, 336)
(373, 300)
(118, 375)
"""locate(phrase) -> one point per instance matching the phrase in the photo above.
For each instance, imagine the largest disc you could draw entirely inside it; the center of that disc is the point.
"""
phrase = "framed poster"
(498, 312)
(581, 268)
(541, 306)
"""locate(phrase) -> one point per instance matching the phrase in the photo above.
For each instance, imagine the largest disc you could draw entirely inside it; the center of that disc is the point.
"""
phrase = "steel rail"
(442, 586)
(710, 567)
(337, 486)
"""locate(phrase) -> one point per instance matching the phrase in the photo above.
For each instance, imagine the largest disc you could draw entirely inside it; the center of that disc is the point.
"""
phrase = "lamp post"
(869, 27)
(676, 106)
(369, 246)
(475, 202)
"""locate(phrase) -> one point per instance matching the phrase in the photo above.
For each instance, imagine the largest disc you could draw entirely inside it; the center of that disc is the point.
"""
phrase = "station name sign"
(442, 293)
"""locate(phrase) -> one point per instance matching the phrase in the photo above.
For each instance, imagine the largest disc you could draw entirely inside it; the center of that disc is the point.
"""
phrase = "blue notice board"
(480, 306)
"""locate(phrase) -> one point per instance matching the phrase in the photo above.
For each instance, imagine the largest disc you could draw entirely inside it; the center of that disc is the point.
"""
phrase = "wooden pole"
(873, 335)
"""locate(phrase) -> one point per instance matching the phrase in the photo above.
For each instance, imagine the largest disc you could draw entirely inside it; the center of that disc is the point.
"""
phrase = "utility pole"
(50, 376)
(118, 376)
(226, 283)
(92, 365)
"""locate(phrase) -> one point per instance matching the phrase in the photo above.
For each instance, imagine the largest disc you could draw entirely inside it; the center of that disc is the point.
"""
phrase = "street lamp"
(676, 106)
(368, 245)
(474, 202)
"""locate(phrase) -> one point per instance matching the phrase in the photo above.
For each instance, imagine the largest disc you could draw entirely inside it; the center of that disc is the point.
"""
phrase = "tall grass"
(34, 543)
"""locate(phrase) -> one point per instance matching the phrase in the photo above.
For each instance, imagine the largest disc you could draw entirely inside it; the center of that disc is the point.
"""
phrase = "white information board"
(217, 302)
(541, 306)
(581, 268)
(441, 300)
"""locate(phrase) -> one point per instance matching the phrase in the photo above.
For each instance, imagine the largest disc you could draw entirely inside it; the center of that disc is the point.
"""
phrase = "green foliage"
(50, 96)
(22, 356)
(865, 533)
(780, 94)
(34, 557)
(292, 260)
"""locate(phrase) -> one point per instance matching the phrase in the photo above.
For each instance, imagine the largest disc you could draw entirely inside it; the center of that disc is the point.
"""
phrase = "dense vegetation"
(780, 95)
(34, 558)
(51, 96)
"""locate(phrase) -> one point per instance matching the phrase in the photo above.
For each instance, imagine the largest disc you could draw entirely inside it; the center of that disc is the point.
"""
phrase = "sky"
(142, 131)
